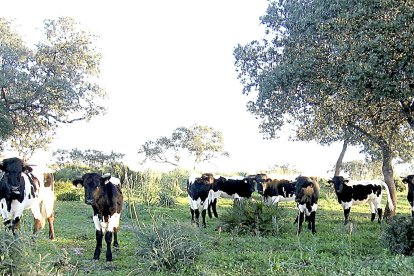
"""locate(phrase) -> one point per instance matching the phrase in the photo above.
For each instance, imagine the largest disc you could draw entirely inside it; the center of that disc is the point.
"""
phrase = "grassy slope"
(335, 249)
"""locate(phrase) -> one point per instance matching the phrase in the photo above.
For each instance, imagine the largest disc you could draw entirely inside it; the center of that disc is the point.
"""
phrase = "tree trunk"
(338, 164)
(388, 173)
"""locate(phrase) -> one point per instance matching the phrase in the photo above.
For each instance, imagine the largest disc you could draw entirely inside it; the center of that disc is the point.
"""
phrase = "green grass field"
(336, 249)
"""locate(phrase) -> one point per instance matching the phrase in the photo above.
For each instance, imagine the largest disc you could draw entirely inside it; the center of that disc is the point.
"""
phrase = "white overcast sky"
(168, 64)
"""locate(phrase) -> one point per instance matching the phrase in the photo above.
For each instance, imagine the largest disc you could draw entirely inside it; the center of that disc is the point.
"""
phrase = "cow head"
(13, 169)
(208, 177)
(409, 180)
(338, 182)
(92, 183)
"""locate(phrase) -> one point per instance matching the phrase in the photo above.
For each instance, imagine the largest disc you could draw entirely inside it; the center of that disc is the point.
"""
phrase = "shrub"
(166, 200)
(65, 191)
(18, 256)
(398, 236)
(168, 245)
(254, 218)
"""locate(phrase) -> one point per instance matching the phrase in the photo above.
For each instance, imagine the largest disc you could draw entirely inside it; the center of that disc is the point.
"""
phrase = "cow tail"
(390, 204)
(44, 215)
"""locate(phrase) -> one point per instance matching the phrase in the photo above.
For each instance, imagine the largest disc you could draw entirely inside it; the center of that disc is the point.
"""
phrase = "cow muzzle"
(89, 201)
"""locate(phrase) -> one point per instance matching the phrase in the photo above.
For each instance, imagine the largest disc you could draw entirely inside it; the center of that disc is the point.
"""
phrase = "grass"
(336, 249)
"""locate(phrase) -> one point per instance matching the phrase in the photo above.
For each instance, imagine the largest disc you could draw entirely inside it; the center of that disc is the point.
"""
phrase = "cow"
(306, 197)
(20, 189)
(236, 189)
(106, 200)
(259, 180)
(351, 193)
(199, 196)
(409, 180)
(276, 190)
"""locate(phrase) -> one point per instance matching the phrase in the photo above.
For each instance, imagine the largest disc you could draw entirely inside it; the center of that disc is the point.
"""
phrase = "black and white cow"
(306, 197)
(104, 194)
(199, 196)
(359, 192)
(34, 193)
(236, 189)
(409, 180)
(275, 191)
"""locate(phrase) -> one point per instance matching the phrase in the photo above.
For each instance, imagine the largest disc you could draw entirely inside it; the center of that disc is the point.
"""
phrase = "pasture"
(354, 249)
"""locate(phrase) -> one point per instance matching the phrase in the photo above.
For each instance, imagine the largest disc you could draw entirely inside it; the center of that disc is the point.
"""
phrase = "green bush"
(18, 256)
(65, 191)
(167, 200)
(398, 236)
(253, 218)
(168, 245)
(71, 172)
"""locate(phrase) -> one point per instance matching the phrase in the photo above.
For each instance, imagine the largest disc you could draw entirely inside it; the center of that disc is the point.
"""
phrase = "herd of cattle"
(205, 190)
(24, 187)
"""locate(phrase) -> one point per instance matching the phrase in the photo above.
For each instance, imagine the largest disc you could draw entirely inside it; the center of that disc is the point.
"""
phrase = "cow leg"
(37, 226)
(301, 216)
(197, 215)
(214, 207)
(192, 215)
(372, 207)
(209, 207)
(15, 226)
(203, 216)
(346, 214)
(99, 236)
(116, 244)
(51, 220)
(108, 240)
(379, 210)
(312, 222)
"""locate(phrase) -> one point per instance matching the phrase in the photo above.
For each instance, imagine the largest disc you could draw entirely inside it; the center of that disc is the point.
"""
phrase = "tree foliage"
(52, 83)
(201, 143)
(334, 68)
(338, 70)
(94, 159)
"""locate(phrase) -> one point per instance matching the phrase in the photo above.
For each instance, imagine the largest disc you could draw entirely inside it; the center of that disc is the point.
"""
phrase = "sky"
(167, 64)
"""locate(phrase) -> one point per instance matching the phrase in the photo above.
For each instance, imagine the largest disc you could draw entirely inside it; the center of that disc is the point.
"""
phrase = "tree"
(52, 83)
(340, 70)
(94, 159)
(201, 143)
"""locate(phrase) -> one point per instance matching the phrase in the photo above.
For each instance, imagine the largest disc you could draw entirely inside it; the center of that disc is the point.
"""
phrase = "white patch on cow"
(302, 208)
(97, 222)
(113, 222)
(272, 200)
(276, 199)
(115, 180)
(192, 177)
(197, 203)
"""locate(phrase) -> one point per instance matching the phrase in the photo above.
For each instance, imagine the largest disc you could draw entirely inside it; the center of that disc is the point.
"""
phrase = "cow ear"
(106, 177)
(27, 169)
(330, 181)
(346, 180)
(404, 179)
(78, 183)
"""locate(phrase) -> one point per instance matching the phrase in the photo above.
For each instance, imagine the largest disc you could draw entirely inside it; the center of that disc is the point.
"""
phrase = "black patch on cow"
(244, 188)
(199, 189)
